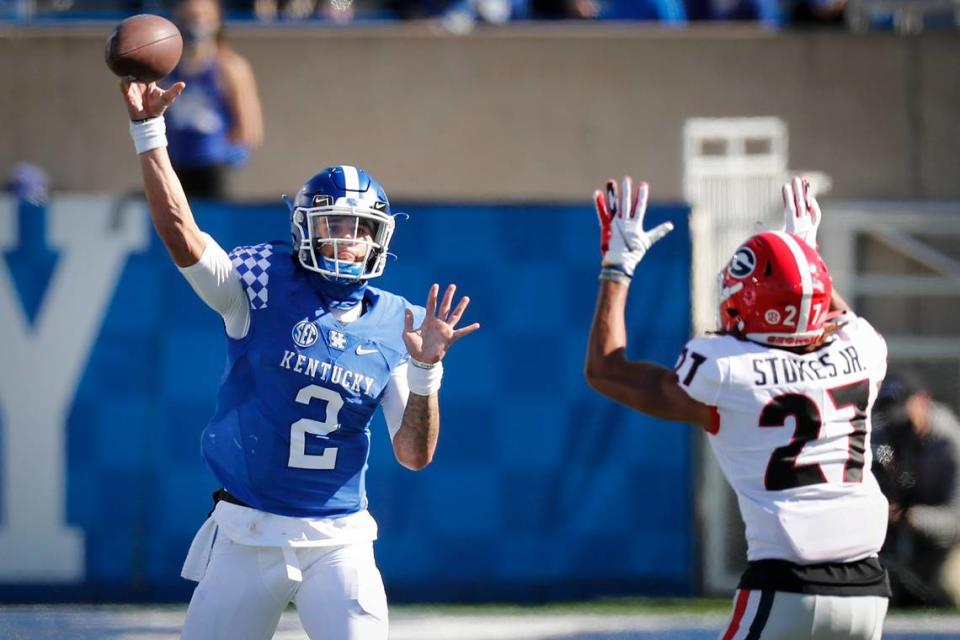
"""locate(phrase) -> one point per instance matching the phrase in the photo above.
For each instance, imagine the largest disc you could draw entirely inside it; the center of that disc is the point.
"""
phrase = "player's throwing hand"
(148, 100)
(801, 212)
(623, 242)
(430, 342)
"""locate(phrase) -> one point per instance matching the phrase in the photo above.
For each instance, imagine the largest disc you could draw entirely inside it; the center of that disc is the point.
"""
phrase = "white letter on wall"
(40, 369)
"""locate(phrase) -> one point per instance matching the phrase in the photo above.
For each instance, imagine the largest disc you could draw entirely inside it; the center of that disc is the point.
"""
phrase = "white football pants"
(778, 615)
(245, 590)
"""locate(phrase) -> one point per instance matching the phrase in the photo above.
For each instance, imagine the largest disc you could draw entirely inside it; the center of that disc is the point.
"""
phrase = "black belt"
(222, 495)
(866, 577)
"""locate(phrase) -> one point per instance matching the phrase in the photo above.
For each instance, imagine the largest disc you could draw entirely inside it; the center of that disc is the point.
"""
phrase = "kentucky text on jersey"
(327, 372)
(291, 433)
(782, 369)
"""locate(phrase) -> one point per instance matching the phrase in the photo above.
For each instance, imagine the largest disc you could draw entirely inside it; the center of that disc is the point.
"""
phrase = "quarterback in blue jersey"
(313, 351)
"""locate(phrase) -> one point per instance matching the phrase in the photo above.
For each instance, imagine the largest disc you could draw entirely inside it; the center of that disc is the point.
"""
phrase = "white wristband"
(615, 275)
(148, 134)
(424, 379)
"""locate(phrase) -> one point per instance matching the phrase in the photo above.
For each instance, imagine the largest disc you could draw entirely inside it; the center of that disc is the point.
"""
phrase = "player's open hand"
(623, 242)
(801, 212)
(430, 342)
(148, 100)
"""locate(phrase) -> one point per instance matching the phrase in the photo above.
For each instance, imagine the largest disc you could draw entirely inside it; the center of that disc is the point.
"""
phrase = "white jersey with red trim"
(792, 437)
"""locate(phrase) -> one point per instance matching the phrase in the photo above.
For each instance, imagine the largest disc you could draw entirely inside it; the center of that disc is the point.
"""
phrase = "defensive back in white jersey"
(792, 436)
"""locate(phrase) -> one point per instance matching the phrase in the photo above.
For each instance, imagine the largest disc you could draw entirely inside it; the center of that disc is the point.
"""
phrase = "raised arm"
(645, 386)
(204, 264)
(838, 303)
(416, 441)
(802, 217)
(169, 209)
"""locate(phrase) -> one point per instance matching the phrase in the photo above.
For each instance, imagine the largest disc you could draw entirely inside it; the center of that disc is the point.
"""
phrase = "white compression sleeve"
(395, 398)
(218, 284)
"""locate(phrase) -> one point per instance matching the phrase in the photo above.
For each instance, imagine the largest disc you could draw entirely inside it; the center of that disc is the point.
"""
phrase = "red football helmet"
(775, 290)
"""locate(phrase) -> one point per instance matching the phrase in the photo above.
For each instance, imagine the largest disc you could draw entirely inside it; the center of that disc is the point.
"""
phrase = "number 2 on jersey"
(783, 472)
(299, 458)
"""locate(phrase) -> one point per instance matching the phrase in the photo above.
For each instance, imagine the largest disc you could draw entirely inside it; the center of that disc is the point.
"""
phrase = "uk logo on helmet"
(305, 334)
(743, 263)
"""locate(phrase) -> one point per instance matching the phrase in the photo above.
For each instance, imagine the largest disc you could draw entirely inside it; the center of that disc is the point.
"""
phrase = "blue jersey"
(291, 433)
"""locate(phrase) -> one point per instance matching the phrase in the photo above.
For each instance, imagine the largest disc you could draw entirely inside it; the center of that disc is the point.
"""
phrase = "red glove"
(606, 206)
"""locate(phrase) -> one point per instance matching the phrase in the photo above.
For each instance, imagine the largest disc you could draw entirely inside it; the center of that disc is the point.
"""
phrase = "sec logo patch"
(305, 334)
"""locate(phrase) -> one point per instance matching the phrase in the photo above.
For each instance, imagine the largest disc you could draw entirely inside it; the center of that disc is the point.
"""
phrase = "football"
(145, 47)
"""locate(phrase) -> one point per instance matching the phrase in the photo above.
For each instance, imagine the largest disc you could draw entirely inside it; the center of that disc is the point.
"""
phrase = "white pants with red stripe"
(245, 590)
(778, 615)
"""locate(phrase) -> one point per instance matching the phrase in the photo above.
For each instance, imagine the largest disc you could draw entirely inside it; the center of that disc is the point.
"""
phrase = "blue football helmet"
(335, 211)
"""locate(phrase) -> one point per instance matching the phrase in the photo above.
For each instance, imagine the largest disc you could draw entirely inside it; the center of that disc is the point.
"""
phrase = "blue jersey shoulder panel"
(385, 319)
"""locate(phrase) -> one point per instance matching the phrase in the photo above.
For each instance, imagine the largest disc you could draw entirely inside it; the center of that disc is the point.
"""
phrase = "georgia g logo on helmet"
(743, 263)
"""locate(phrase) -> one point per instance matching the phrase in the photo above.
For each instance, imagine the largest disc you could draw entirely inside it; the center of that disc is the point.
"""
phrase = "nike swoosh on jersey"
(361, 351)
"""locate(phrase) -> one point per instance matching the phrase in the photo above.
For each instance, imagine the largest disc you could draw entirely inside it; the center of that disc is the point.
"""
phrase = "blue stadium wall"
(540, 489)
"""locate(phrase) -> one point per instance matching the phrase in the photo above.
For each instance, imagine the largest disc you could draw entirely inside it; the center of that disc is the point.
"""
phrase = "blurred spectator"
(671, 11)
(335, 10)
(413, 9)
(562, 9)
(29, 183)
(917, 461)
(217, 120)
(818, 13)
(461, 15)
(770, 12)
